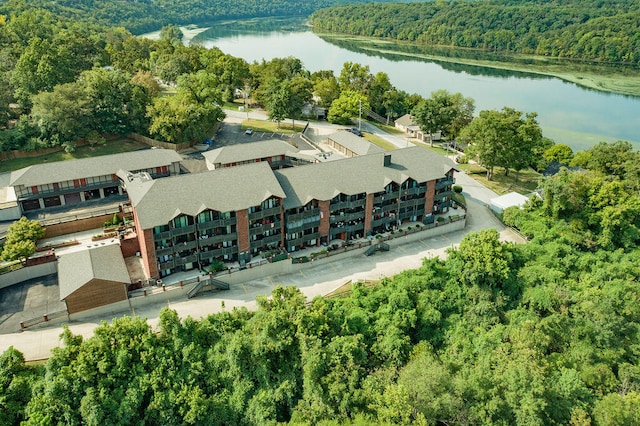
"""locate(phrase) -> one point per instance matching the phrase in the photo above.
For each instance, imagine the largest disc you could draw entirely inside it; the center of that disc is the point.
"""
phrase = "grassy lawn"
(377, 140)
(501, 184)
(111, 147)
(345, 289)
(272, 126)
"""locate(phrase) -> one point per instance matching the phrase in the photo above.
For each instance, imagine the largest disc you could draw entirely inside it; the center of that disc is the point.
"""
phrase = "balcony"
(166, 235)
(272, 239)
(299, 227)
(274, 211)
(219, 223)
(383, 221)
(346, 217)
(441, 195)
(216, 239)
(186, 259)
(312, 213)
(387, 196)
(164, 251)
(257, 230)
(412, 203)
(212, 254)
(188, 245)
(303, 240)
(414, 191)
(341, 205)
(175, 232)
(444, 183)
(349, 228)
(163, 266)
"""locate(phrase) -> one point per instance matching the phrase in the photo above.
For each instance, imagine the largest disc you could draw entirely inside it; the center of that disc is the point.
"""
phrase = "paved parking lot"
(27, 300)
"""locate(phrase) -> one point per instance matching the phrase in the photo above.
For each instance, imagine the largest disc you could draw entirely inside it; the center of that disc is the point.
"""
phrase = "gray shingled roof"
(406, 120)
(78, 268)
(354, 175)
(354, 143)
(61, 171)
(248, 151)
(223, 190)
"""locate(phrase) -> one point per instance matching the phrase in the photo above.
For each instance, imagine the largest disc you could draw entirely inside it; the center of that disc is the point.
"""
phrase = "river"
(568, 113)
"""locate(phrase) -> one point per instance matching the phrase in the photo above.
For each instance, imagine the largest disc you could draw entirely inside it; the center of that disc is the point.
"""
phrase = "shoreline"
(617, 82)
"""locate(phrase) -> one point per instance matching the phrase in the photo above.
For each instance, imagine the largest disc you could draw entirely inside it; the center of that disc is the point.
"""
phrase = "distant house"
(554, 167)
(351, 145)
(408, 125)
(499, 204)
(92, 278)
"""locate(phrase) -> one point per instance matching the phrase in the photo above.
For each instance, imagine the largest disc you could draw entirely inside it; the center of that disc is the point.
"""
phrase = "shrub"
(457, 189)
(217, 266)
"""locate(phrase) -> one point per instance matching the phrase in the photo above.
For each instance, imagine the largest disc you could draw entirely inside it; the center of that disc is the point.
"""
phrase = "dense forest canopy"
(603, 31)
(542, 333)
(140, 16)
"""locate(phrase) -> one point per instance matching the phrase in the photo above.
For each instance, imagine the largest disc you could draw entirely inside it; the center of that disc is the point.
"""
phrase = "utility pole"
(360, 115)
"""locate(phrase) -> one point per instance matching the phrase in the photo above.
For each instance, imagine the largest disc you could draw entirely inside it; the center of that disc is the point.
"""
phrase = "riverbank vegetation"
(593, 31)
(545, 332)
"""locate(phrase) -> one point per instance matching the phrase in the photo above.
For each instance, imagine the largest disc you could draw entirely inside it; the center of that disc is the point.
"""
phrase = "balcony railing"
(164, 251)
(186, 259)
(303, 240)
(312, 213)
(387, 196)
(414, 191)
(412, 203)
(218, 223)
(166, 235)
(298, 227)
(163, 266)
(257, 230)
(266, 240)
(190, 229)
(346, 217)
(265, 213)
(216, 239)
(211, 254)
(444, 183)
(187, 245)
(441, 195)
(348, 228)
(340, 205)
(383, 221)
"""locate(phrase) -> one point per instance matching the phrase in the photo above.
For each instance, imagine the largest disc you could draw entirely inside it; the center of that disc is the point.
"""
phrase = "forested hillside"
(602, 31)
(140, 16)
(545, 333)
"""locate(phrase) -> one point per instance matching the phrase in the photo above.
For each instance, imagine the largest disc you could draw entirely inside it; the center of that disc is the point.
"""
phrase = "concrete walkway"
(318, 279)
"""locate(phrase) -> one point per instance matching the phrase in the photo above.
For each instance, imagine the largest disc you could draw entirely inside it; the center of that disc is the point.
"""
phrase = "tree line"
(140, 16)
(545, 332)
(594, 31)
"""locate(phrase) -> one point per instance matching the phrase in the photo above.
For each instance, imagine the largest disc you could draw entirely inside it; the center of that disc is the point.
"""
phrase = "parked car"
(248, 132)
(356, 131)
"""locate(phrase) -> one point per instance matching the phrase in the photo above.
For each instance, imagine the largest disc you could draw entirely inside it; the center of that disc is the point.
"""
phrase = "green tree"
(561, 153)
(503, 138)
(62, 115)
(355, 77)
(445, 112)
(108, 94)
(171, 34)
(325, 87)
(20, 242)
(346, 107)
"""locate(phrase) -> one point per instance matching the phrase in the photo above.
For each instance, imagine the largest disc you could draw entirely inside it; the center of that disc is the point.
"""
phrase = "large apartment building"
(230, 214)
(66, 183)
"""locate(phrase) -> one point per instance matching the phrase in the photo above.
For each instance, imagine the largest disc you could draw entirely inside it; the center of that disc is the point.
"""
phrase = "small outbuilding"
(499, 204)
(92, 278)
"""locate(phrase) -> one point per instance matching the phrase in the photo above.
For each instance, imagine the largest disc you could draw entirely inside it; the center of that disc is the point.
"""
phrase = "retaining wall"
(27, 273)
